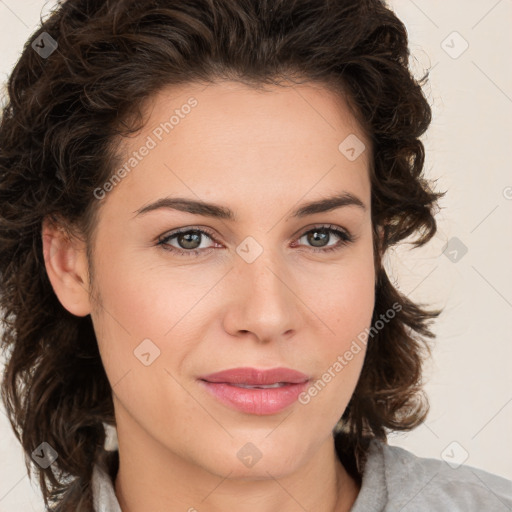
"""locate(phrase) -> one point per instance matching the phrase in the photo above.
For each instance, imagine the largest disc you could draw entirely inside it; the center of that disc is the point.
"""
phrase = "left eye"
(189, 240)
(320, 234)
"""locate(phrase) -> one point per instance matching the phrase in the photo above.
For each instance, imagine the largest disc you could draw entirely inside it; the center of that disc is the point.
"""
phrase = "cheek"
(339, 354)
(343, 293)
(345, 310)
(348, 302)
(140, 298)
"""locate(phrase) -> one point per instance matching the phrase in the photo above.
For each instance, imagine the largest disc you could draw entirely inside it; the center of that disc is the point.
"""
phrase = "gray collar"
(104, 496)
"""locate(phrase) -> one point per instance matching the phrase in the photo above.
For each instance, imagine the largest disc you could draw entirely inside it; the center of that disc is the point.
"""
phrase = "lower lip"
(256, 400)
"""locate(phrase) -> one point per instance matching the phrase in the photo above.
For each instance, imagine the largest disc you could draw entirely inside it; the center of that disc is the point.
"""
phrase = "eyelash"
(346, 238)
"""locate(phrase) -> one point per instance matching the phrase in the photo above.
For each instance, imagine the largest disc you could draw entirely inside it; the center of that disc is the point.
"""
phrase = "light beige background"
(469, 379)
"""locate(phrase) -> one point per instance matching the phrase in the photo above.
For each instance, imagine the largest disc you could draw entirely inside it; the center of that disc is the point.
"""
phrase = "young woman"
(195, 199)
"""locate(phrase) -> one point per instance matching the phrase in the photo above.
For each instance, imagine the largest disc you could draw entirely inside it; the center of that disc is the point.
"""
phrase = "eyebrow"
(221, 212)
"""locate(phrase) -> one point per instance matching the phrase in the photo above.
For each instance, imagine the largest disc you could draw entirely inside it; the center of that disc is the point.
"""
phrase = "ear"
(66, 265)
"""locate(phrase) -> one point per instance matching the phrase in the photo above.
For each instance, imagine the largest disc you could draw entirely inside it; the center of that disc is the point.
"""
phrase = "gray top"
(393, 480)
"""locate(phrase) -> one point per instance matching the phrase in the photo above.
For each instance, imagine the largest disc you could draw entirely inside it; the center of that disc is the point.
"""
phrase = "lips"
(255, 377)
(253, 391)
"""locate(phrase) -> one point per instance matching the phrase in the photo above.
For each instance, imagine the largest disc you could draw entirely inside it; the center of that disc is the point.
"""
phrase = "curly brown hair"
(57, 145)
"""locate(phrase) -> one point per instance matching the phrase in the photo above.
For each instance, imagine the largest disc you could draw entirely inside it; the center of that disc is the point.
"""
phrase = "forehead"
(293, 111)
(228, 139)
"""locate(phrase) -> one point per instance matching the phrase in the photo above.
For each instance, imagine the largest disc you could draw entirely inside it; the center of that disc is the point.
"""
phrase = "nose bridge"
(264, 275)
(265, 304)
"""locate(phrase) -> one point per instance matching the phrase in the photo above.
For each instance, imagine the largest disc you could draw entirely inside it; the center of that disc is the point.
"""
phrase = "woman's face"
(258, 289)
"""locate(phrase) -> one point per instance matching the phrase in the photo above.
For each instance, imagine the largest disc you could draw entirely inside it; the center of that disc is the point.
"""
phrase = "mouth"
(254, 377)
(257, 392)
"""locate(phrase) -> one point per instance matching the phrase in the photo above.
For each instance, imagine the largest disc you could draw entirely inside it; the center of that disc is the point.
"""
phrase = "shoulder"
(419, 484)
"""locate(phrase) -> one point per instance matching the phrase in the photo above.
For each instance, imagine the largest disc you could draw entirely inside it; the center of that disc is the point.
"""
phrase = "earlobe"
(66, 265)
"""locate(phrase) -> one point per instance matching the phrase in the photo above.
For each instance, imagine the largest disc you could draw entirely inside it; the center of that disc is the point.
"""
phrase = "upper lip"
(254, 377)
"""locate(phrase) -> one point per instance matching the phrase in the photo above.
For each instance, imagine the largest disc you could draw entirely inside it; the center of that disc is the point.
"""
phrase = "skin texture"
(262, 154)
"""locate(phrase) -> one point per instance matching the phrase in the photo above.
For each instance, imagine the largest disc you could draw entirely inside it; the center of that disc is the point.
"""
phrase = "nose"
(263, 300)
